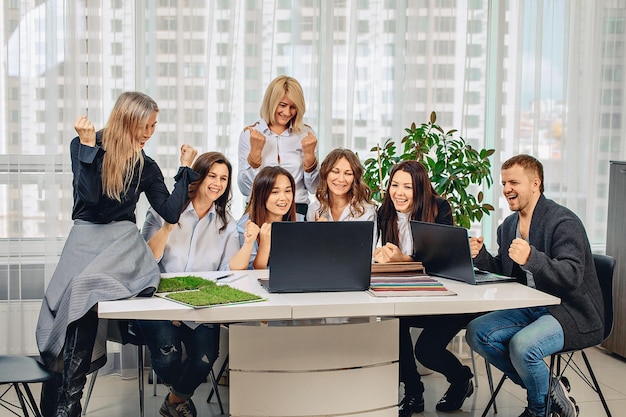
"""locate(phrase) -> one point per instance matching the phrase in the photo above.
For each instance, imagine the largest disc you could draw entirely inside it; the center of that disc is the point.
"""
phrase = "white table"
(320, 354)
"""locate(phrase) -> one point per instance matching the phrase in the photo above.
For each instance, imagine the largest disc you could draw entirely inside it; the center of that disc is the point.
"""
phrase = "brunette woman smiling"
(272, 200)
(411, 196)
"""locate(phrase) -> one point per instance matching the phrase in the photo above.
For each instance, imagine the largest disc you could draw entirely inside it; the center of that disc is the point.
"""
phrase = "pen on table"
(225, 276)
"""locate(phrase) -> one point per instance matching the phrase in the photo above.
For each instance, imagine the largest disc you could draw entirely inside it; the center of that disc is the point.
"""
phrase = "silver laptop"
(320, 256)
(444, 250)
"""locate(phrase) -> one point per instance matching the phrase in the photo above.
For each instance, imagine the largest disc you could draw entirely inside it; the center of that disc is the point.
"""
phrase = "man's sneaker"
(564, 405)
(527, 413)
(184, 409)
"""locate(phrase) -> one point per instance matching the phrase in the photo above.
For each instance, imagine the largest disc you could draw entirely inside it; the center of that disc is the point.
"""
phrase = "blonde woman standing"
(280, 138)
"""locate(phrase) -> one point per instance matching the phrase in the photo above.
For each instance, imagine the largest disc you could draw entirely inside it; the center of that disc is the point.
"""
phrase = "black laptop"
(444, 250)
(320, 256)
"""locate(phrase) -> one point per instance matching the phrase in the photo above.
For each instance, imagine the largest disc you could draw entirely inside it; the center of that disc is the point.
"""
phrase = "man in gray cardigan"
(545, 246)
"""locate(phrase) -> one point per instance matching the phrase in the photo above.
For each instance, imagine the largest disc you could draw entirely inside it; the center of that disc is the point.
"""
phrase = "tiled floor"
(114, 396)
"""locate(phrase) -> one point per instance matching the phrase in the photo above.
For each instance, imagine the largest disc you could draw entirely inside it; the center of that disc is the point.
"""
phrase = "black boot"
(50, 393)
(79, 343)
(411, 403)
(460, 389)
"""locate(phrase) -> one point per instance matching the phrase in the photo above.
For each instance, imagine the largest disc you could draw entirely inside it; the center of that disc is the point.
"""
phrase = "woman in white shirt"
(204, 239)
(272, 200)
(411, 196)
(280, 138)
(342, 194)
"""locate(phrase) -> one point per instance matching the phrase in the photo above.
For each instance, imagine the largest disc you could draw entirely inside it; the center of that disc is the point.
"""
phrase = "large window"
(545, 78)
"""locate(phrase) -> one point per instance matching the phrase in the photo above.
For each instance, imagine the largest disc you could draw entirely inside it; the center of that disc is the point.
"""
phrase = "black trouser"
(60, 396)
(431, 349)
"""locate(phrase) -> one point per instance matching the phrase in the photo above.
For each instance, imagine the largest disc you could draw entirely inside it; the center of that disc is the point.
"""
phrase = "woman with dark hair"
(272, 200)
(205, 227)
(342, 194)
(280, 138)
(411, 196)
(104, 257)
(204, 239)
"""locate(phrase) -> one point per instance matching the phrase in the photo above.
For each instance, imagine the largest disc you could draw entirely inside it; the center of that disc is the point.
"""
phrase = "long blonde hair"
(119, 139)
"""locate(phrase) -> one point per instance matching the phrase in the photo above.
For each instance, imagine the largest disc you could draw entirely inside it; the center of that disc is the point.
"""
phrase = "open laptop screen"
(320, 256)
(444, 251)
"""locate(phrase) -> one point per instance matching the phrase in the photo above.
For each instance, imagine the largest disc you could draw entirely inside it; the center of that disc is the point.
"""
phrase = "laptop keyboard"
(486, 276)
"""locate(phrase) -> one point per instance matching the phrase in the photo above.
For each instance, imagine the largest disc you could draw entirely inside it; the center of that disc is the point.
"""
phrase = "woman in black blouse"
(104, 257)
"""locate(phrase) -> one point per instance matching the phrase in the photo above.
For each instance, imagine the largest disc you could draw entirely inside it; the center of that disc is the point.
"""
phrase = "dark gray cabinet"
(616, 247)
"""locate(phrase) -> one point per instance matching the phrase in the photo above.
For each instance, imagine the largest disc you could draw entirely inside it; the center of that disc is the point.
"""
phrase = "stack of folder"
(404, 279)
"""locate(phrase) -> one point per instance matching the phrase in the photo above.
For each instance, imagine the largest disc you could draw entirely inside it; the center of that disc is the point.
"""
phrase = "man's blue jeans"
(165, 340)
(516, 341)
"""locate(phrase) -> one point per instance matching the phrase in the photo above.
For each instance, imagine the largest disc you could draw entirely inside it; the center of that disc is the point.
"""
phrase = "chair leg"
(20, 397)
(24, 396)
(140, 378)
(595, 383)
(152, 376)
(551, 372)
(217, 393)
(474, 367)
(490, 382)
(493, 397)
(219, 376)
(155, 381)
(92, 382)
(33, 403)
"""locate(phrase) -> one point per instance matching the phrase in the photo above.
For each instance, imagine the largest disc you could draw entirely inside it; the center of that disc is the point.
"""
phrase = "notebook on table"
(444, 250)
(320, 256)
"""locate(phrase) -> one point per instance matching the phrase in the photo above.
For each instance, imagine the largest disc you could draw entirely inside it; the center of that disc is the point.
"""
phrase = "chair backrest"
(124, 331)
(604, 268)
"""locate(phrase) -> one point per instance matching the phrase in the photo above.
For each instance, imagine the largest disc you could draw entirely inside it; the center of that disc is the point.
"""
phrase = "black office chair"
(563, 360)
(16, 370)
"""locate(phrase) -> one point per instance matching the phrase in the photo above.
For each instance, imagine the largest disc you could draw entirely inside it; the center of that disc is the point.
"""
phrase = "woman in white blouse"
(342, 194)
(411, 196)
(204, 239)
(280, 138)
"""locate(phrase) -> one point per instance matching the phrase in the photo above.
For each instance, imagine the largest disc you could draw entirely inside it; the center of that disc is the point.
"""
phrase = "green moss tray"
(199, 293)
(181, 283)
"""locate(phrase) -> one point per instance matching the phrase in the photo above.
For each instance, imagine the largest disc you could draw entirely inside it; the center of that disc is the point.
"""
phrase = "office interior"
(538, 77)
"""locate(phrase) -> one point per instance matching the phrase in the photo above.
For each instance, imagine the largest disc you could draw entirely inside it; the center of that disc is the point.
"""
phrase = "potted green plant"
(454, 166)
